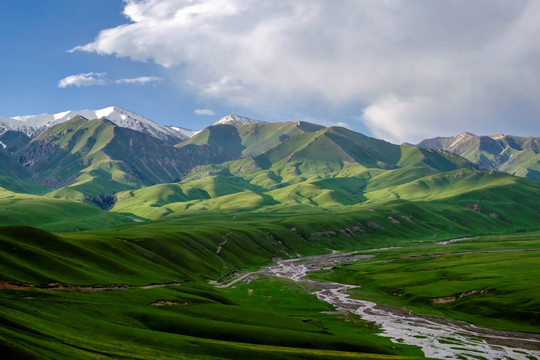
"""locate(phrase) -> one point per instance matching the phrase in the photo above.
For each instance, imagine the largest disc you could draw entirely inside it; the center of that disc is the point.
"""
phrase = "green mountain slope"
(16, 177)
(242, 140)
(330, 169)
(13, 175)
(91, 160)
(13, 140)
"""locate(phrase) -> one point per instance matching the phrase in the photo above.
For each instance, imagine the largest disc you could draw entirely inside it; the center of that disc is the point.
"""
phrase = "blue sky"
(35, 44)
(397, 70)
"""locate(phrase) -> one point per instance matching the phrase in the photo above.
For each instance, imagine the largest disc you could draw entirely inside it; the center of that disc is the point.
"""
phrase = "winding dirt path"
(65, 287)
(240, 278)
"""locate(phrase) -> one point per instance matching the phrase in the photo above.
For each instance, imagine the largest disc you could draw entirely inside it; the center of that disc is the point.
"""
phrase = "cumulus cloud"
(87, 79)
(142, 80)
(416, 68)
(207, 112)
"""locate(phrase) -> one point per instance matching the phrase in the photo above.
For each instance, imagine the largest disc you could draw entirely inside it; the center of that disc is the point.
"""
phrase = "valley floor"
(437, 337)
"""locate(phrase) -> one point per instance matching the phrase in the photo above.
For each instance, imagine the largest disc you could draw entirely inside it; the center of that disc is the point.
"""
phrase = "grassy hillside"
(249, 139)
(497, 195)
(54, 214)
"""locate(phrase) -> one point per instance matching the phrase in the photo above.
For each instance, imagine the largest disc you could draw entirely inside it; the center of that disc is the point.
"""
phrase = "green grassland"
(202, 322)
(208, 323)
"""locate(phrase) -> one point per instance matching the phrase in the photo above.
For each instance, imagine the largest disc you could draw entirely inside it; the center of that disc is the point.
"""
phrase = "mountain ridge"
(516, 155)
(33, 125)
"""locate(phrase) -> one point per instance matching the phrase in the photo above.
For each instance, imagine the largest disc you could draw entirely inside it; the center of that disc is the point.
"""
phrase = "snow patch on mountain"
(237, 120)
(4, 124)
(3, 145)
(461, 137)
(185, 132)
(32, 125)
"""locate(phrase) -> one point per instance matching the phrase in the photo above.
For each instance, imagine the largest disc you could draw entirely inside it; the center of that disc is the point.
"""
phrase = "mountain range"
(119, 160)
(515, 155)
(33, 125)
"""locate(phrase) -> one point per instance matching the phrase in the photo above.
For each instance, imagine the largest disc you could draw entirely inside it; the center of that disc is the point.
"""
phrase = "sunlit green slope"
(328, 168)
(54, 214)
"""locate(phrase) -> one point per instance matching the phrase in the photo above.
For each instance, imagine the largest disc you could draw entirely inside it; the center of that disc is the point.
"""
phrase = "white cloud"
(87, 79)
(204, 112)
(142, 80)
(416, 67)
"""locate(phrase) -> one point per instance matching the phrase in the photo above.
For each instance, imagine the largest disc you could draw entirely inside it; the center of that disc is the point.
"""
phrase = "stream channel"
(438, 338)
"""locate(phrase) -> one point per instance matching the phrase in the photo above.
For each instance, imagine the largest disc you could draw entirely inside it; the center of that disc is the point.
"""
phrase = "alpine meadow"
(351, 222)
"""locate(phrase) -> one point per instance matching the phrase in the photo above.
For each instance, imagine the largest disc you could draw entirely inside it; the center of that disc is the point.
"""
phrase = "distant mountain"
(92, 159)
(32, 125)
(515, 155)
(124, 160)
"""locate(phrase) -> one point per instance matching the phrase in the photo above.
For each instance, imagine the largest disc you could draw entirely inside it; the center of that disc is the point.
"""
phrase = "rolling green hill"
(327, 168)
(54, 214)
(105, 309)
(142, 290)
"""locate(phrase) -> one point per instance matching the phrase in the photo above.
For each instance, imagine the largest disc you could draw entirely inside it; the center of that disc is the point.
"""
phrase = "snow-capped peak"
(32, 125)
(61, 115)
(497, 137)
(236, 119)
(461, 137)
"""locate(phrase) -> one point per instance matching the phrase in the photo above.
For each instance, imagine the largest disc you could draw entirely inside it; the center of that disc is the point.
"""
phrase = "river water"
(438, 338)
